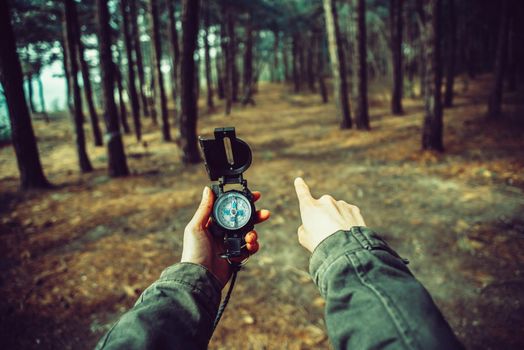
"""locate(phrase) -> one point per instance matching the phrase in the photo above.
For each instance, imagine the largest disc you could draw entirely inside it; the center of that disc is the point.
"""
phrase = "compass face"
(232, 210)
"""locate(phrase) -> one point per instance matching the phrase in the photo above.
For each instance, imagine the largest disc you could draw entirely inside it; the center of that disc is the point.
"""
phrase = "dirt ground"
(75, 257)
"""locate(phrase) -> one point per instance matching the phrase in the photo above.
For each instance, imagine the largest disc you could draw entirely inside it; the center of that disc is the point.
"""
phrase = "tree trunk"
(67, 76)
(78, 115)
(248, 64)
(121, 102)
(513, 50)
(431, 34)
(88, 92)
(310, 67)
(319, 46)
(338, 64)
(209, 83)
(175, 54)
(131, 87)
(276, 68)
(450, 72)
(395, 16)
(233, 54)
(22, 134)
(30, 92)
(285, 60)
(117, 164)
(295, 63)
(188, 120)
(135, 33)
(160, 95)
(220, 74)
(43, 108)
(362, 116)
(495, 99)
(227, 27)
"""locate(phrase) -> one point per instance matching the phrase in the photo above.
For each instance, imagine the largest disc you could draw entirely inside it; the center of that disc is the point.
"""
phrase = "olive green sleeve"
(175, 312)
(372, 299)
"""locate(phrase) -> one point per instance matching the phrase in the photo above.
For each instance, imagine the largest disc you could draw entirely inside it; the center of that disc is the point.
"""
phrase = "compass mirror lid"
(225, 155)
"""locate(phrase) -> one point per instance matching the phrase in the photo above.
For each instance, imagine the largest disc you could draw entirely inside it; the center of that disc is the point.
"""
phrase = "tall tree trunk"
(227, 27)
(395, 18)
(513, 53)
(188, 121)
(209, 82)
(431, 33)
(117, 163)
(338, 64)
(451, 55)
(22, 134)
(276, 68)
(310, 68)
(121, 102)
(295, 63)
(495, 99)
(67, 75)
(30, 92)
(43, 108)
(160, 98)
(220, 74)
(362, 116)
(135, 33)
(248, 64)
(78, 116)
(319, 46)
(175, 54)
(131, 87)
(233, 54)
(88, 92)
(285, 60)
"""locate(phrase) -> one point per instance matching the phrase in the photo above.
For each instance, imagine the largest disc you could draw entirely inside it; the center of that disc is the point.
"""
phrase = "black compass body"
(234, 211)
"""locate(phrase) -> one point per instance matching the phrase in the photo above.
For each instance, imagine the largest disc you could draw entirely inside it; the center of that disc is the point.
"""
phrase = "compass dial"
(232, 210)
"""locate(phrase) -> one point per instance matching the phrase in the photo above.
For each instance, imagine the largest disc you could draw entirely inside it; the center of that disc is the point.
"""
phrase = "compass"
(233, 215)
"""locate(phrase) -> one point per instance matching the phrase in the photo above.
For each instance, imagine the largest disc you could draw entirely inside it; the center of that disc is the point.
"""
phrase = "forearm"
(372, 299)
(176, 312)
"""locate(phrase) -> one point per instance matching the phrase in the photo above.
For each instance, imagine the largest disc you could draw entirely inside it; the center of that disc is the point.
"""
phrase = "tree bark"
(175, 54)
(362, 116)
(310, 66)
(22, 134)
(495, 99)
(248, 64)
(88, 91)
(78, 115)
(117, 164)
(285, 60)
(233, 54)
(451, 55)
(121, 102)
(67, 76)
(295, 63)
(338, 64)
(395, 16)
(160, 95)
(209, 82)
(135, 33)
(276, 68)
(131, 87)
(30, 92)
(188, 121)
(226, 28)
(220, 74)
(319, 46)
(431, 32)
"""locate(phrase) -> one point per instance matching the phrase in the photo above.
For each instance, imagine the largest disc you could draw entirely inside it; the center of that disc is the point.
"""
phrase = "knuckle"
(326, 198)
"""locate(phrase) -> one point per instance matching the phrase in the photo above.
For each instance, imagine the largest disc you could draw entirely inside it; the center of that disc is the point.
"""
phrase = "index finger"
(303, 193)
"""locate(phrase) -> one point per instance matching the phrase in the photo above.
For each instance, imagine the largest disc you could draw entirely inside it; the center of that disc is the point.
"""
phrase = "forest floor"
(73, 258)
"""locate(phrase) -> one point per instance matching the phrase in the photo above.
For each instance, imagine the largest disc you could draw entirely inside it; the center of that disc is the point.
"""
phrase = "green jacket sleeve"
(372, 299)
(175, 312)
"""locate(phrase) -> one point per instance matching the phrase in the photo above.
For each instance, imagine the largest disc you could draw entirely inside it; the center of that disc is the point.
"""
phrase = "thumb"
(203, 212)
(303, 193)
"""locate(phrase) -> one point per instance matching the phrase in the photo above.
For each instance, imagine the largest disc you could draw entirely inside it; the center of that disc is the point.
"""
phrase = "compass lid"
(225, 155)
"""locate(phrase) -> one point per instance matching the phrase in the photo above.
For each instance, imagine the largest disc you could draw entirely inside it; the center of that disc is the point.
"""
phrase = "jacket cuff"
(197, 279)
(341, 243)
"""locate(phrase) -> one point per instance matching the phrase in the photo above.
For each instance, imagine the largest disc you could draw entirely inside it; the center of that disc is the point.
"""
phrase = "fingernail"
(206, 191)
